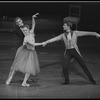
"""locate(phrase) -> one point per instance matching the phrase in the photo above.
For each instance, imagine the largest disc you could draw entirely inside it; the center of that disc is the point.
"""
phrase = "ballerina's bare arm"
(33, 25)
(33, 22)
(32, 43)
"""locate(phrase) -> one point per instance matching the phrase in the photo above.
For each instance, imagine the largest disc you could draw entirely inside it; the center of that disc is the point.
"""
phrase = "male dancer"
(70, 40)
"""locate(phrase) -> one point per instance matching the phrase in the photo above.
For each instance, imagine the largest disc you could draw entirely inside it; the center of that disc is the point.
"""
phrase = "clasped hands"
(44, 43)
(98, 35)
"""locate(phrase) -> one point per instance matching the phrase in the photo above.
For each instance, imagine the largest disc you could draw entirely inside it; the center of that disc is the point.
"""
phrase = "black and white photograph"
(49, 49)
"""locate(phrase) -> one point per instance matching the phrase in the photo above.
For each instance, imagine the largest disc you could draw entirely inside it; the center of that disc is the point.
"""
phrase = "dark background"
(89, 10)
(49, 22)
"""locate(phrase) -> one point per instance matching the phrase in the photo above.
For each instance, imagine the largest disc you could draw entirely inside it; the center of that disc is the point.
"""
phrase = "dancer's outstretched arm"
(32, 43)
(38, 44)
(57, 38)
(86, 33)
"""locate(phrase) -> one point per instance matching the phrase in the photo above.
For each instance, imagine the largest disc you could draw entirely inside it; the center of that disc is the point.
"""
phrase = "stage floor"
(48, 83)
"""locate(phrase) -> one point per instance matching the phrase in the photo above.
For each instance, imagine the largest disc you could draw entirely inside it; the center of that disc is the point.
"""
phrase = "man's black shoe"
(93, 82)
(65, 83)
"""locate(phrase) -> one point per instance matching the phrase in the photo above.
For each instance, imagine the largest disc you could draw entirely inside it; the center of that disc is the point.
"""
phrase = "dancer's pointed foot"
(8, 82)
(25, 84)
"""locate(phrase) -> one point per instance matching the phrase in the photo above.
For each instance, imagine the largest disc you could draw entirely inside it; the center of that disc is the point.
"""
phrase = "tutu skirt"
(26, 61)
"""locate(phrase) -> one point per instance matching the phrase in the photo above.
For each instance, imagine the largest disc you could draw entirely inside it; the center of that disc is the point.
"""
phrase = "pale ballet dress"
(26, 58)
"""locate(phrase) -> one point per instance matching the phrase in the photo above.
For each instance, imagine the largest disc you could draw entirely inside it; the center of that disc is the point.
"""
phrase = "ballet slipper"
(25, 84)
(8, 81)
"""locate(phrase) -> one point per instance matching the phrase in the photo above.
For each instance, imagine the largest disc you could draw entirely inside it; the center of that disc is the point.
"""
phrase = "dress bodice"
(29, 38)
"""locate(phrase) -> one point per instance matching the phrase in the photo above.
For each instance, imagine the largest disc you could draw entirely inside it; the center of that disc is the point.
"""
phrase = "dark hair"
(67, 21)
